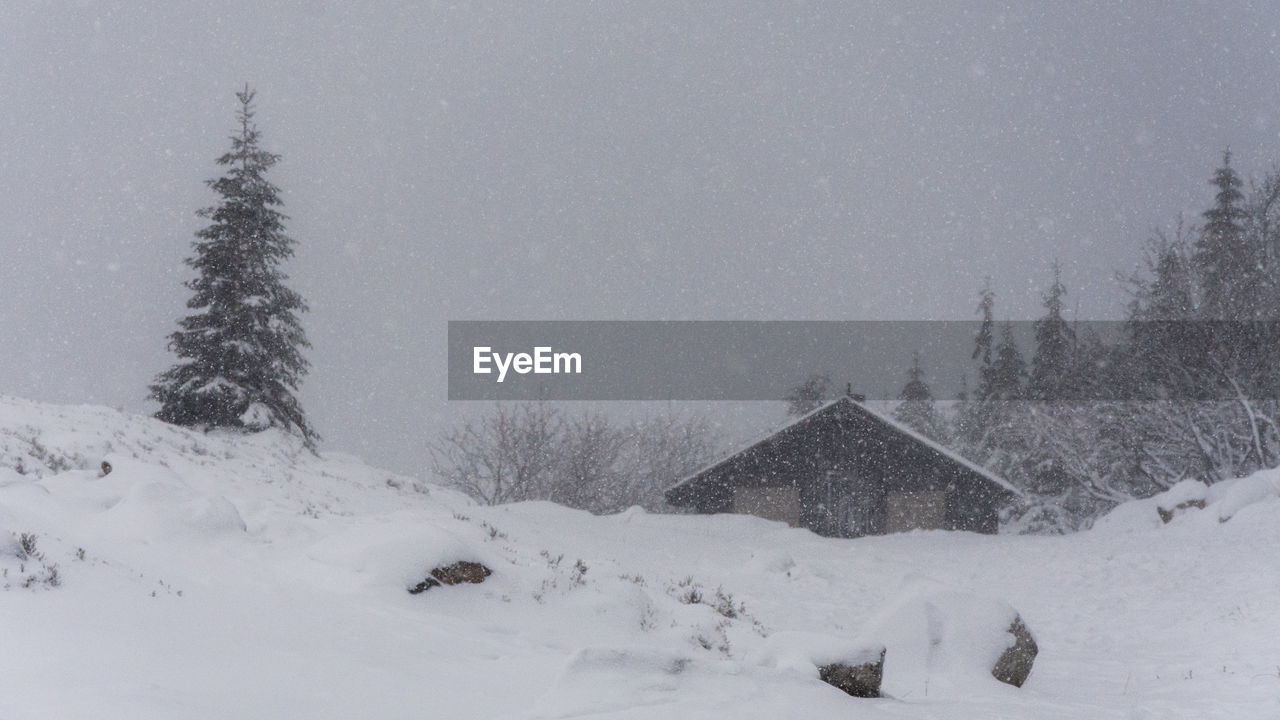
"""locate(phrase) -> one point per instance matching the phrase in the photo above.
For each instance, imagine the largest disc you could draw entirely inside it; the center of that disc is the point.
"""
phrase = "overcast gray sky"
(702, 160)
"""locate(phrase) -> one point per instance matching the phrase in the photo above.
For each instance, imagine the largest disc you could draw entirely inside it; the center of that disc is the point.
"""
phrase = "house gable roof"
(848, 404)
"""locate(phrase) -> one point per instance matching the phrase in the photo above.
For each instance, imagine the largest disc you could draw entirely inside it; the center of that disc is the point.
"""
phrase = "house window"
(770, 503)
(916, 511)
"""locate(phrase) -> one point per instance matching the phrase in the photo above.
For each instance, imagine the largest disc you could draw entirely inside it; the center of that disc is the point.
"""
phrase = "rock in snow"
(462, 571)
(1015, 662)
(939, 640)
(1220, 501)
(858, 680)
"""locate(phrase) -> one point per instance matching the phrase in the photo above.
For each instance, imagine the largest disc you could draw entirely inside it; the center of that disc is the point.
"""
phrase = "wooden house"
(844, 470)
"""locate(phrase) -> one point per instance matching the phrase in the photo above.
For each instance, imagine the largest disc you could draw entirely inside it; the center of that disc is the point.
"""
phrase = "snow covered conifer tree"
(984, 341)
(808, 395)
(1051, 365)
(1164, 340)
(972, 418)
(239, 350)
(1222, 255)
(917, 410)
(1003, 379)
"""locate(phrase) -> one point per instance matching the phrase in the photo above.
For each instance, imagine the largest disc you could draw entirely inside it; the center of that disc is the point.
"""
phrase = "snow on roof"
(939, 448)
(749, 445)
(868, 412)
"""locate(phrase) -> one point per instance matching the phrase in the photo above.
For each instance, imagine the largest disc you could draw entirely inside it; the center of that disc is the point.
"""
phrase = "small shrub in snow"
(717, 639)
(723, 604)
(691, 593)
(27, 548)
(648, 619)
(41, 573)
(687, 592)
(577, 575)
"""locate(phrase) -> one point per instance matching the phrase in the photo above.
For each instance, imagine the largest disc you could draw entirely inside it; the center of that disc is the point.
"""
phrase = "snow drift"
(242, 576)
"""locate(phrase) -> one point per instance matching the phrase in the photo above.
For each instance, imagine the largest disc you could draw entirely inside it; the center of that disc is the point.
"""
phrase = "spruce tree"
(1164, 339)
(240, 349)
(999, 422)
(1002, 380)
(982, 343)
(1222, 255)
(917, 410)
(1051, 363)
(974, 417)
(808, 395)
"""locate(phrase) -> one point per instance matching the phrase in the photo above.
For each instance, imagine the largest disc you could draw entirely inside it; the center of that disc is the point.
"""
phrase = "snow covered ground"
(216, 576)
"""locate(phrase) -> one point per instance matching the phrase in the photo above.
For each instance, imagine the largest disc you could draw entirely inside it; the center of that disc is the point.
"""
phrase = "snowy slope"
(213, 576)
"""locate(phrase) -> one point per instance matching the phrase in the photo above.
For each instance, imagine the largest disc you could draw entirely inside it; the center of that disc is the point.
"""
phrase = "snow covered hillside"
(217, 576)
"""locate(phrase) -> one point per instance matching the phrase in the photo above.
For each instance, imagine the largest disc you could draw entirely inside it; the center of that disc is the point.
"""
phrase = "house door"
(853, 515)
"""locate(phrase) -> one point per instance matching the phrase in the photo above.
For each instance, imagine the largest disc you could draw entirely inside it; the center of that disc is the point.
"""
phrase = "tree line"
(1189, 389)
(1188, 392)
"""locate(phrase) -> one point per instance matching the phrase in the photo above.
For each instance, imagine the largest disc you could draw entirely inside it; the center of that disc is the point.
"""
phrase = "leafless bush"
(534, 452)
(505, 456)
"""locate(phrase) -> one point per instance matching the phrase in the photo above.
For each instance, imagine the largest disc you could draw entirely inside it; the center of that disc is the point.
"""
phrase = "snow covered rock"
(1186, 495)
(1167, 514)
(941, 641)
(852, 665)
(463, 571)
(1015, 662)
(860, 680)
(1220, 502)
